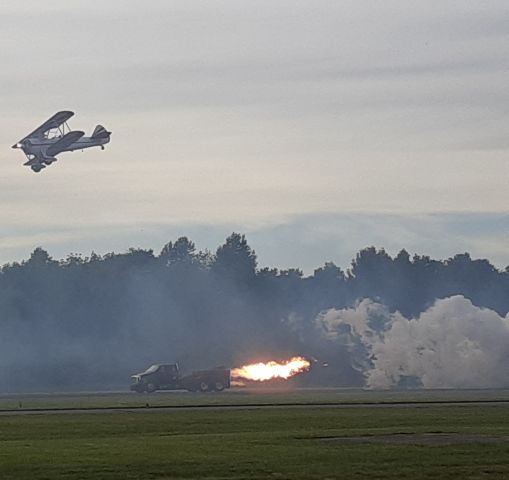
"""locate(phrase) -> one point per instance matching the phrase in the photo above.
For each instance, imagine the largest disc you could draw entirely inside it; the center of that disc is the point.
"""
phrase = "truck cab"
(156, 377)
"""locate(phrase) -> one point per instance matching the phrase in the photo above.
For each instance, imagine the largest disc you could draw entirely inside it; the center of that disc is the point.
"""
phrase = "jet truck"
(168, 377)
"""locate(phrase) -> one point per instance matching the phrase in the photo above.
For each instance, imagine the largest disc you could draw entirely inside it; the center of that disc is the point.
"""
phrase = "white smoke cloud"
(453, 344)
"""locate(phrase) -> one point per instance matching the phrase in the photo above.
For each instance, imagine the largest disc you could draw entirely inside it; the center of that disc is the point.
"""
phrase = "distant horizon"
(157, 250)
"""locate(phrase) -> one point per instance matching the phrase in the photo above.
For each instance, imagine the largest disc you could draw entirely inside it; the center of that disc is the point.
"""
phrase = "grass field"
(243, 396)
(280, 443)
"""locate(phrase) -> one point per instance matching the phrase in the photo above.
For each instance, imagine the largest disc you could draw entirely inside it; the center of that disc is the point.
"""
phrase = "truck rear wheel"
(219, 386)
(204, 387)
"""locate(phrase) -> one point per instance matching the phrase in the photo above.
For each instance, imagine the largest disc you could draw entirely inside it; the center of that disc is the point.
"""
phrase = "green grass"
(245, 396)
(282, 443)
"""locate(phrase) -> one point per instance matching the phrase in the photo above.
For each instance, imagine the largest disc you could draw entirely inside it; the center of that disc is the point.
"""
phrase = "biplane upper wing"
(67, 140)
(54, 122)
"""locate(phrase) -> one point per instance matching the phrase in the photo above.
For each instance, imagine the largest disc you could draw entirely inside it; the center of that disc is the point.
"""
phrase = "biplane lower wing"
(62, 144)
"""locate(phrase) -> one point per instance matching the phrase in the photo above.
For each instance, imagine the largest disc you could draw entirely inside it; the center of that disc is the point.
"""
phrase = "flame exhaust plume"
(260, 372)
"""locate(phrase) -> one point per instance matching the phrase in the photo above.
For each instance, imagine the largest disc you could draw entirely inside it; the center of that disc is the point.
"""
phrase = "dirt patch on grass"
(421, 439)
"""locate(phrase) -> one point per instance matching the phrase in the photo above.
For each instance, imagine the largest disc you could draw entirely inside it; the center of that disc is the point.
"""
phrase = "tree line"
(94, 320)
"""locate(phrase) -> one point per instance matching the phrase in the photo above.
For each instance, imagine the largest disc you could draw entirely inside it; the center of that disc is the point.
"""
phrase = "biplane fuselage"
(54, 137)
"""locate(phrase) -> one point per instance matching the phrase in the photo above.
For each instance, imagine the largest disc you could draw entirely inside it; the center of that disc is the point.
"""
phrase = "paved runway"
(177, 408)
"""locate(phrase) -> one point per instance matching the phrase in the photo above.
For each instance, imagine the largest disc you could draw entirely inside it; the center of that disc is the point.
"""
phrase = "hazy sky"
(316, 127)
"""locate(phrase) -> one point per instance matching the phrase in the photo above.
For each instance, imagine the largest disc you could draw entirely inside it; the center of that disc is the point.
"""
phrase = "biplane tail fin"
(100, 132)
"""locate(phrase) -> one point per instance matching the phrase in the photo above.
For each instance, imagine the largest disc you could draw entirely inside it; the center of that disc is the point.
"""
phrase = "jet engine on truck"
(168, 377)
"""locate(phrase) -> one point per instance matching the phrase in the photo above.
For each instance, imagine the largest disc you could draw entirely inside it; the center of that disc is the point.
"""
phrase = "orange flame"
(260, 372)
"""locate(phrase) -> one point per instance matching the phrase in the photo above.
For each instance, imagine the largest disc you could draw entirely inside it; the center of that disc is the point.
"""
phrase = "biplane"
(53, 137)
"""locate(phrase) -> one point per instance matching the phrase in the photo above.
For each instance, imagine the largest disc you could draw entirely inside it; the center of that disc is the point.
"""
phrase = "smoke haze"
(453, 344)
